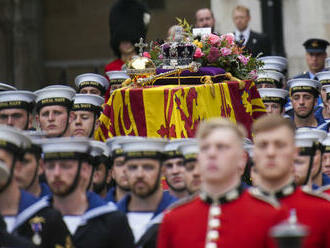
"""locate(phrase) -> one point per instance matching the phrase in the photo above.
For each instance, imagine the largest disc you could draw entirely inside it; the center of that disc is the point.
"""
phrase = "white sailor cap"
(55, 96)
(271, 77)
(6, 87)
(304, 85)
(63, 86)
(17, 99)
(189, 149)
(273, 95)
(88, 102)
(144, 148)
(275, 59)
(115, 144)
(117, 77)
(99, 148)
(323, 77)
(36, 137)
(171, 149)
(327, 63)
(326, 143)
(92, 80)
(308, 139)
(248, 147)
(4, 173)
(274, 66)
(13, 139)
(326, 88)
(65, 148)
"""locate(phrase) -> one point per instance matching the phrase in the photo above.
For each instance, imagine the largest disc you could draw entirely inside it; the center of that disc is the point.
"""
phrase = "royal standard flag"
(174, 111)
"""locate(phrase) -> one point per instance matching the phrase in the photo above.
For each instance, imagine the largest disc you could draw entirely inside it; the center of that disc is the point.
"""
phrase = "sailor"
(86, 111)
(145, 204)
(53, 109)
(91, 83)
(91, 221)
(274, 100)
(16, 108)
(25, 215)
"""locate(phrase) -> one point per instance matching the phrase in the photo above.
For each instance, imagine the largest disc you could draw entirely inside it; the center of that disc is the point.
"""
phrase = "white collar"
(245, 33)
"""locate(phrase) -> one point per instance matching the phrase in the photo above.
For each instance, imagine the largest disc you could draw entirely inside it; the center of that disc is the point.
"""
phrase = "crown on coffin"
(178, 51)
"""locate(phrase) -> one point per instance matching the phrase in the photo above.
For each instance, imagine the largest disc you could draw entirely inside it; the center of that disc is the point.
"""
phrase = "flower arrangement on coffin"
(218, 51)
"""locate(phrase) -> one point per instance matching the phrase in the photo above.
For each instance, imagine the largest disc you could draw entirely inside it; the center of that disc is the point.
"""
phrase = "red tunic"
(244, 222)
(112, 66)
(312, 211)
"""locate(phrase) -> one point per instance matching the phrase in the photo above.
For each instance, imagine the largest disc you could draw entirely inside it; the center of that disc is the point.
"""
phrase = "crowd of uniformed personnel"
(61, 188)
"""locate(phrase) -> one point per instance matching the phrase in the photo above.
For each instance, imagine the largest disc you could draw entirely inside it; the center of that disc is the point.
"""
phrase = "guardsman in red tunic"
(224, 214)
(274, 154)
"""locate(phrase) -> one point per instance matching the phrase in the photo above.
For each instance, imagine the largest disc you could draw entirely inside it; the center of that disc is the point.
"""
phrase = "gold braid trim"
(232, 78)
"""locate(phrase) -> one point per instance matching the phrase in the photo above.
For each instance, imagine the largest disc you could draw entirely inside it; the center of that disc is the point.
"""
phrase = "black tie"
(241, 38)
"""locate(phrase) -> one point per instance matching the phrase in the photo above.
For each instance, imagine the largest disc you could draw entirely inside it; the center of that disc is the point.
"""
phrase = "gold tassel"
(232, 78)
(208, 80)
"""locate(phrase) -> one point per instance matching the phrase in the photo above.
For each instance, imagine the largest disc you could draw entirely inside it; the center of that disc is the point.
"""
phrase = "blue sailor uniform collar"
(166, 200)
(28, 206)
(111, 195)
(325, 179)
(45, 190)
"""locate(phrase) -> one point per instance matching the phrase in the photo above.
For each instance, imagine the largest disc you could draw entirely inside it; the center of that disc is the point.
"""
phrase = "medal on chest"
(36, 226)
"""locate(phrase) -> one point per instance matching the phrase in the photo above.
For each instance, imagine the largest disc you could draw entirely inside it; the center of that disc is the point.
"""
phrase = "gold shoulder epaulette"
(317, 193)
(256, 193)
(181, 202)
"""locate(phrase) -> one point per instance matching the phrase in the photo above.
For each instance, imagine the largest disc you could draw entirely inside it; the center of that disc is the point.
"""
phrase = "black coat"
(258, 43)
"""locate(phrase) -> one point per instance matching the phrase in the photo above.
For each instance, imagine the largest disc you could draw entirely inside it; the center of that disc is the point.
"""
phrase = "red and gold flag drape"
(175, 111)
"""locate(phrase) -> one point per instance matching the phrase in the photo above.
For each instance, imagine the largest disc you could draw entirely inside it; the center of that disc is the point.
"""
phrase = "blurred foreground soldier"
(255, 43)
(189, 151)
(16, 108)
(23, 214)
(101, 177)
(274, 153)
(315, 57)
(308, 161)
(145, 204)
(91, 83)
(30, 168)
(221, 158)
(118, 170)
(303, 94)
(205, 19)
(86, 111)
(6, 239)
(54, 105)
(324, 179)
(173, 168)
(92, 222)
(274, 100)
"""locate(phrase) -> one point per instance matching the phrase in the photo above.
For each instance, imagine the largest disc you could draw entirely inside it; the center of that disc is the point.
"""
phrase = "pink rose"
(214, 39)
(225, 51)
(230, 38)
(253, 75)
(146, 54)
(160, 56)
(198, 53)
(243, 59)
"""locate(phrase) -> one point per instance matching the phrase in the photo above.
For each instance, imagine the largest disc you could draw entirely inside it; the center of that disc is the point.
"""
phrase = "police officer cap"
(316, 45)
(88, 102)
(6, 87)
(17, 99)
(92, 80)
